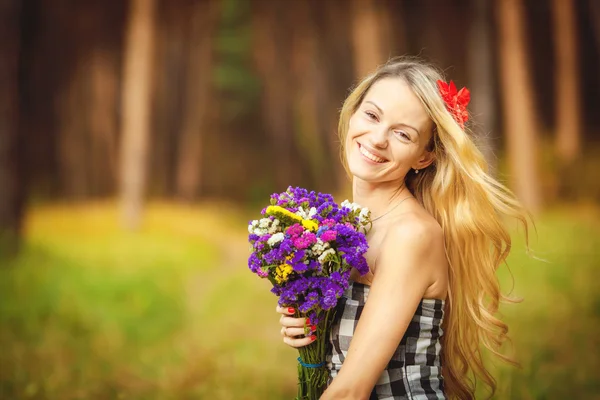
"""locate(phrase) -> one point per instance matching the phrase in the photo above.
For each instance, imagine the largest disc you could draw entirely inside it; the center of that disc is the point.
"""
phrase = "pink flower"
(328, 222)
(328, 236)
(295, 230)
(300, 243)
(262, 273)
(310, 237)
(304, 241)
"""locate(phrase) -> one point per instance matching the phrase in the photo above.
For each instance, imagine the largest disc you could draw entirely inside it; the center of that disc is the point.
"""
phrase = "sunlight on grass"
(89, 311)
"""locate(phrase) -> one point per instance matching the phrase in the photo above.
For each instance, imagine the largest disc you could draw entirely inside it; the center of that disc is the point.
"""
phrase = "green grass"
(88, 311)
(556, 329)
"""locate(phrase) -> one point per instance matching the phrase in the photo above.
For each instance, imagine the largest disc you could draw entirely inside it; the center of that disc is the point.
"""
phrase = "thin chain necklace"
(391, 209)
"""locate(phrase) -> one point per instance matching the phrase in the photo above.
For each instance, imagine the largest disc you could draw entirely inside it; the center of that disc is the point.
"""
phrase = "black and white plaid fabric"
(414, 372)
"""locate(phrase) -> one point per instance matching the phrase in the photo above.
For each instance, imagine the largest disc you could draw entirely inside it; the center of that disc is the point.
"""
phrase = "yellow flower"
(310, 225)
(282, 272)
(273, 210)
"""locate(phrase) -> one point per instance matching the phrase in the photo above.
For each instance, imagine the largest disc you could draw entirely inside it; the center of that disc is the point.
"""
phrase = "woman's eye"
(403, 135)
(371, 115)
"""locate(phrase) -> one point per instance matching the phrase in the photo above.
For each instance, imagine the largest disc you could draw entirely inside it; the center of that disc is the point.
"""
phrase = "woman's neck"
(378, 197)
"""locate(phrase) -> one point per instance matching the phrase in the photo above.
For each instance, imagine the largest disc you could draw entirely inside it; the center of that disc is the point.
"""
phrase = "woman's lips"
(370, 156)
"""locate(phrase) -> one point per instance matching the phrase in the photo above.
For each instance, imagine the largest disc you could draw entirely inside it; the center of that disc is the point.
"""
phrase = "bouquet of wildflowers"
(306, 245)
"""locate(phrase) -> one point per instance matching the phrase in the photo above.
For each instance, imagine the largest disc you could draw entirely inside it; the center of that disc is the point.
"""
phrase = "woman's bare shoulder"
(419, 236)
(417, 222)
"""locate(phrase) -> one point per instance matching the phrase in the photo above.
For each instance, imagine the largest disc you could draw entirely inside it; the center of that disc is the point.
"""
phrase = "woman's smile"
(370, 155)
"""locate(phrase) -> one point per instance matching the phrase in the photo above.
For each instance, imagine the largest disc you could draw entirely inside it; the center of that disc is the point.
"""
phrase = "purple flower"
(298, 256)
(254, 262)
(300, 266)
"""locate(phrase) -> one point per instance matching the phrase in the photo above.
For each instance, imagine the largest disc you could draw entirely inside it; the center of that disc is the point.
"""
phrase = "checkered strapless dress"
(414, 372)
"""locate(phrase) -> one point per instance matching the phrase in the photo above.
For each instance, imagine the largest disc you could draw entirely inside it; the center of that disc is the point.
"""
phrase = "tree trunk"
(170, 54)
(11, 178)
(520, 122)
(397, 29)
(103, 122)
(307, 70)
(136, 109)
(270, 29)
(594, 8)
(567, 98)
(198, 89)
(334, 41)
(368, 27)
(73, 134)
(481, 80)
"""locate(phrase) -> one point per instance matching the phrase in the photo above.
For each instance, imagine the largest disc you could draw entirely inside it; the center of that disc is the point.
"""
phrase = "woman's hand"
(294, 330)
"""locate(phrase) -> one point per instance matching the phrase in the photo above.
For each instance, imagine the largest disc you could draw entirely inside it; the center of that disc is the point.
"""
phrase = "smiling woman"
(412, 328)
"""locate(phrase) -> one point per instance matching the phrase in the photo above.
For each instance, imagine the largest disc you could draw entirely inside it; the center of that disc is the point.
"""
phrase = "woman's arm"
(406, 264)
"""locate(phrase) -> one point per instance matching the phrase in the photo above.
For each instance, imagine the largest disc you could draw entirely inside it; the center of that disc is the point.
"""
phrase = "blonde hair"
(469, 204)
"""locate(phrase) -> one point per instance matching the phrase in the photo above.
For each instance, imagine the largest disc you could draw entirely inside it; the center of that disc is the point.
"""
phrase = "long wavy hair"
(471, 206)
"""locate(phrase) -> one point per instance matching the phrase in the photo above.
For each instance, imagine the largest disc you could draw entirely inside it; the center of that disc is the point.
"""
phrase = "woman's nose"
(379, 137)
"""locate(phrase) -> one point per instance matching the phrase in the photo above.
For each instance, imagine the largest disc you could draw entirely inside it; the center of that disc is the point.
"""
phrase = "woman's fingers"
(285, 310)
(293, 332)
(298, 342)
(293, 322)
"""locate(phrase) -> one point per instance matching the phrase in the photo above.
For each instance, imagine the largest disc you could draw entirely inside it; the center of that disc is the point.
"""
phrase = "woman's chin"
(367, 174)
(362, 173)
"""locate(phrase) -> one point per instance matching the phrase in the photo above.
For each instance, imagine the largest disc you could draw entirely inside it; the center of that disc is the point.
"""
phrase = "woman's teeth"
(370, 156)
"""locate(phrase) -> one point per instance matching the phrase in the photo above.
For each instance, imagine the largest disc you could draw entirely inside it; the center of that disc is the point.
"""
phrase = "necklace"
(391, 209)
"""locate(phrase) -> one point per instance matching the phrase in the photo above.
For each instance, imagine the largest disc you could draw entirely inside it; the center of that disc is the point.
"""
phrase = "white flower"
(276, 238)
(319, 247)
(274, 226)
(260, 231)
(364, 214)
(312, 212)
(352, 206)
(325, 254)
(264, 223)
(252, 226)
(301, 213)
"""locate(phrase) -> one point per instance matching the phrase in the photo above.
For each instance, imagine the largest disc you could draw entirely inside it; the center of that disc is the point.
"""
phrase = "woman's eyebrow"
(376, 106)
(381, 111)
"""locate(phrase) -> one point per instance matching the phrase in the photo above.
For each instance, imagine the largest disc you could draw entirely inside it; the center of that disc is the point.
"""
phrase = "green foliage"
(90, 312)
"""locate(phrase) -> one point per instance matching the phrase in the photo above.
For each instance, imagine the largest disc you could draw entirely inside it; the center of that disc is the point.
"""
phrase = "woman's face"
(388, 133)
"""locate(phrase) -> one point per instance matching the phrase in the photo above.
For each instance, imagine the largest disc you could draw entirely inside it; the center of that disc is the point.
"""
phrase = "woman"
(436, 242)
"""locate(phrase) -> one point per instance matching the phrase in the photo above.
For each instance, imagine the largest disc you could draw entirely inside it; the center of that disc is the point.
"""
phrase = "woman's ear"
(426, 159)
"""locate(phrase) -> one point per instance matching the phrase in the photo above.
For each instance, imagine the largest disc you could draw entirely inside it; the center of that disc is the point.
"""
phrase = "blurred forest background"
(138, 137)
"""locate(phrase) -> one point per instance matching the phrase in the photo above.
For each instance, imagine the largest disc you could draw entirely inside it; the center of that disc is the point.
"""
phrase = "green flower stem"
(312, 382)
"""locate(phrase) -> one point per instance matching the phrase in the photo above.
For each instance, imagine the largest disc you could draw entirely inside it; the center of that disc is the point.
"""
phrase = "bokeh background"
(137, 138)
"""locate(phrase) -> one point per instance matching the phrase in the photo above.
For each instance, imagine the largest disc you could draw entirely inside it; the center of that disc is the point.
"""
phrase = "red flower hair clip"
(456, 102)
